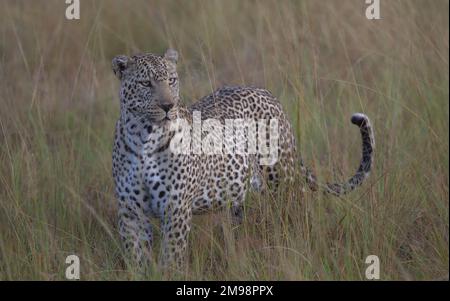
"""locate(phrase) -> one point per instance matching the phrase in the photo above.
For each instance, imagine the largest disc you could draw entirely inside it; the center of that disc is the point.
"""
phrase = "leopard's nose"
(166, 107)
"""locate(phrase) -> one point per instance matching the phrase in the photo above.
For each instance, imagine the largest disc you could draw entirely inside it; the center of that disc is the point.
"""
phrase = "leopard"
(152, 181)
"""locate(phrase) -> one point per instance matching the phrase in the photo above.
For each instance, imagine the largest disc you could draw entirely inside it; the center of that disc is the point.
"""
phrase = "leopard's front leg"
(136, 232)
(176, 224)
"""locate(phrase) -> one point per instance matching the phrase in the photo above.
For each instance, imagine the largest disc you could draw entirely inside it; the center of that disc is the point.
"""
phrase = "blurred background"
(324, 60)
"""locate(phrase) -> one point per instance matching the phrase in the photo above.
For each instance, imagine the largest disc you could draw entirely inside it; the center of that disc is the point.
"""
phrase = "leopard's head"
(148, 84)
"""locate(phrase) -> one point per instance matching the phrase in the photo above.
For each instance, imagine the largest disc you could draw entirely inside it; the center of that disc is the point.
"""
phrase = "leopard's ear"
(171, 55)
(119, 64)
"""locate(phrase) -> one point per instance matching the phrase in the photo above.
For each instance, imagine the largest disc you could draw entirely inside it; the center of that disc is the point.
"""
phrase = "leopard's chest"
(158, 177)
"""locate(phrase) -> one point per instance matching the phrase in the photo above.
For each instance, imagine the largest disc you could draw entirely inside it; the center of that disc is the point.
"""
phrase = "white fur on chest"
(156, 174)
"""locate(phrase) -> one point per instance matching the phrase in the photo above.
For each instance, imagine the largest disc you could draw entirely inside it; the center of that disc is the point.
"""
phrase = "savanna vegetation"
(323, 60)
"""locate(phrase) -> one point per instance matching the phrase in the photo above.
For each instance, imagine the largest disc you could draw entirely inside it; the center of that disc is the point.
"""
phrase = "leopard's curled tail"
(368, 145)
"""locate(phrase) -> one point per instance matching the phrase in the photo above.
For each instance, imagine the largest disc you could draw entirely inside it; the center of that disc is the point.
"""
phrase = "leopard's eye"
(172, 81)
(146, 83)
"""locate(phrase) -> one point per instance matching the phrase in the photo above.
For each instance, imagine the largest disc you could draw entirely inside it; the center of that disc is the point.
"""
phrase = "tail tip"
(359, 118)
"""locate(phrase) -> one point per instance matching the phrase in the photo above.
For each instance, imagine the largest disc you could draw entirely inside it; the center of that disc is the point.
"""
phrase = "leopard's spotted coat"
(152, 181)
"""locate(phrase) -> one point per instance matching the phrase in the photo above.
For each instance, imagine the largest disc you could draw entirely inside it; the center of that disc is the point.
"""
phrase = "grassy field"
(323, 59)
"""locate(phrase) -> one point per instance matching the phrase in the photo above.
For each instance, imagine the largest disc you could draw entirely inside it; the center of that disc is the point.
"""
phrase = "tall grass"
(323, 59)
